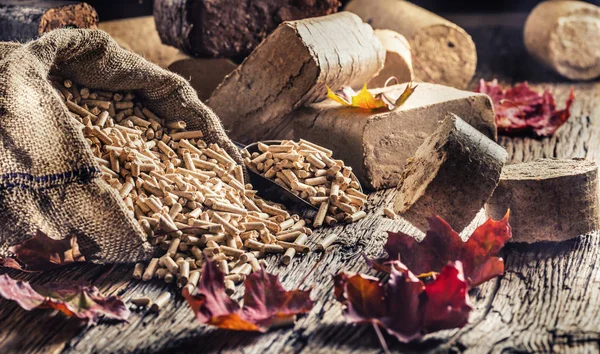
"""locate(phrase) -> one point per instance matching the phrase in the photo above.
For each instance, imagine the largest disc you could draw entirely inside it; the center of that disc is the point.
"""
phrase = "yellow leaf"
(333, 96)
(365, 99)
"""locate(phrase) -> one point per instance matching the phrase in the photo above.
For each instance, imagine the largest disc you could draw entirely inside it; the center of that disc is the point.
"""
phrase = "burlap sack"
(49, 179)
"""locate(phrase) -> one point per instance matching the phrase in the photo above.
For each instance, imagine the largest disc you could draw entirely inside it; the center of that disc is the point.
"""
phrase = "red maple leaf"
(41, 253)
(521, 110)
(442, 244)
(447, 307)
(266, 302)
(83, 302)
(405, 306)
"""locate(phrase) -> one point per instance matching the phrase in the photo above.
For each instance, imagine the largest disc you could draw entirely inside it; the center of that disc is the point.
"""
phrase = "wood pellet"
(189, 197)
(310, 172)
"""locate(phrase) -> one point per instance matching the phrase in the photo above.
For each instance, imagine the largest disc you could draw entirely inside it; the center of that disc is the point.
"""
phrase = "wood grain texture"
(546, 301)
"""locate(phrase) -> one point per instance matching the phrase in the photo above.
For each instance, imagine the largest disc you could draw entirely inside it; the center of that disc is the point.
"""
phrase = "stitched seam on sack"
(28, 181)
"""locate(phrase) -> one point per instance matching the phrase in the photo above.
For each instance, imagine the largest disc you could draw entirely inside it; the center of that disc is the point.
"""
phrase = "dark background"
(109, 9)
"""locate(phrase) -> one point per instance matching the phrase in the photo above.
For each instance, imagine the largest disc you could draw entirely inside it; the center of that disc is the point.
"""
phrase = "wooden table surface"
(547, 300)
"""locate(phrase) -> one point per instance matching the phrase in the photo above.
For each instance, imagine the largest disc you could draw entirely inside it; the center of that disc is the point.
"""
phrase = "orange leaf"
(233, 322)
(266, 302)
(83, 302)
(362, 99)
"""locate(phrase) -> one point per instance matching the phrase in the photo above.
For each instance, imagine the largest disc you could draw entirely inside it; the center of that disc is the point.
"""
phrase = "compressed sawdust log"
(222, 28)
(139, 36)
(203, 74)
(398, 62)
(550, 200)
(291, 68)
(377, 143)
(25, 20)
(443, 53)
(564, 35)
(452, 175)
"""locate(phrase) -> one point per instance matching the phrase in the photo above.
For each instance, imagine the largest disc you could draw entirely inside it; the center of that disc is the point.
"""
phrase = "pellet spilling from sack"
(189, 197)
(311, 173)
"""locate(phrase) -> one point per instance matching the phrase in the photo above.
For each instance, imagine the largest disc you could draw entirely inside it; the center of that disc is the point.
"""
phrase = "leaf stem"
(387, 82)
(382, 341)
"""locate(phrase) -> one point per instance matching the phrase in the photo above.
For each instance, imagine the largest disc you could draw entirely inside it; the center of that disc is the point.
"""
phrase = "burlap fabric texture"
(49, 179)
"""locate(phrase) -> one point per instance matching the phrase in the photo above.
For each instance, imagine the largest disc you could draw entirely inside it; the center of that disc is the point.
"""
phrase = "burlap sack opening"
(49, 179)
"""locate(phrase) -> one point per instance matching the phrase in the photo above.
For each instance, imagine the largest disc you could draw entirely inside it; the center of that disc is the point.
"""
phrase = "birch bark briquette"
(291, 68)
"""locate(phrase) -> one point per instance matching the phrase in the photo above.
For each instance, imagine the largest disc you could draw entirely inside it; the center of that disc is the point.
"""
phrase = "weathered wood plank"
(546, 301)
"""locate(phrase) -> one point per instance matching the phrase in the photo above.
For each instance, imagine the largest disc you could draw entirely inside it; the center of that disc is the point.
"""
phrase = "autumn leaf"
(365, 99)
(266, 302)
(83, 302)
(521, 110)
(442, 244)
(447, 296)
(405, 306)
(41, 253)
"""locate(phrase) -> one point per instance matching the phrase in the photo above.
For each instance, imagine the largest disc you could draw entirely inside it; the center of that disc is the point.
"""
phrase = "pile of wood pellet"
(189, 197)
(311, 173)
